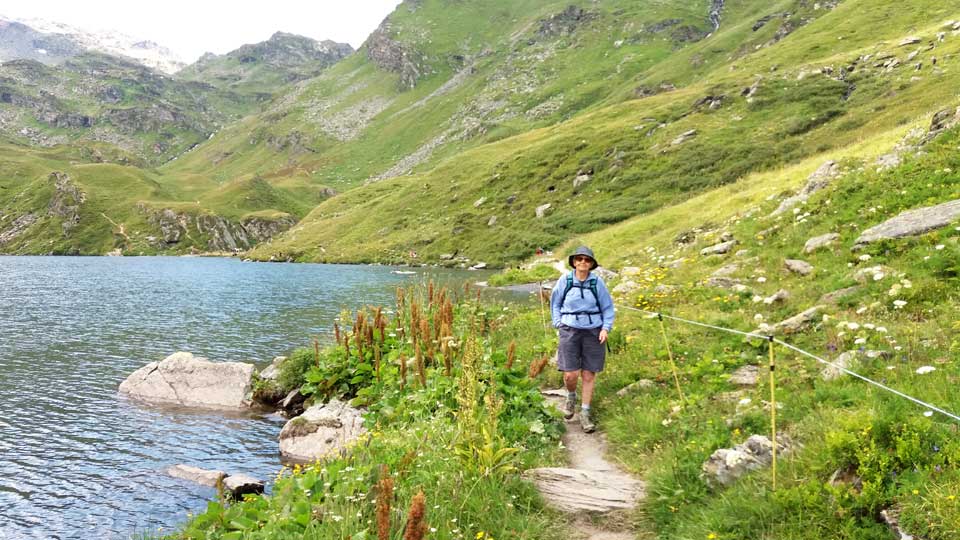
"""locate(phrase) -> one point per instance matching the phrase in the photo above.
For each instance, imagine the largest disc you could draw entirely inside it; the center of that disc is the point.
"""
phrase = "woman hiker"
(582, 311)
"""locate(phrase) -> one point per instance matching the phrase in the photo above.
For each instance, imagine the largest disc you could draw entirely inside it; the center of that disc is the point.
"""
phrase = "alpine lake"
(79, 461)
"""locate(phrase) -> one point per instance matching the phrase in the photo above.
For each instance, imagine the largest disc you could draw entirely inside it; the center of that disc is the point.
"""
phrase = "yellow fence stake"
(773, 414)
(673, 365)
(543, 317)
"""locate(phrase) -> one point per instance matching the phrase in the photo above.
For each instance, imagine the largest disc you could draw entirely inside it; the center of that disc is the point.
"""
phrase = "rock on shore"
(189, 381)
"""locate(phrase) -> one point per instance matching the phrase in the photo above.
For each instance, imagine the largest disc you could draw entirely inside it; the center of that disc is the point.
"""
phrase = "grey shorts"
(580, 349)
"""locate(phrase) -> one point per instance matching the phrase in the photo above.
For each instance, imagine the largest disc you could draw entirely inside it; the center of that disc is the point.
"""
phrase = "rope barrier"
(800, 351)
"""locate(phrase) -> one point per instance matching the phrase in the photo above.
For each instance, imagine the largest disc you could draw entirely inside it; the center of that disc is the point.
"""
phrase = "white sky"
(192, 27)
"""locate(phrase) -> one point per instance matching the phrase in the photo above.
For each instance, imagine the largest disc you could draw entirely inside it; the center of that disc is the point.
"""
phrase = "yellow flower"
(951, 497)
(916, 492)
(711, 536)
(479, 535)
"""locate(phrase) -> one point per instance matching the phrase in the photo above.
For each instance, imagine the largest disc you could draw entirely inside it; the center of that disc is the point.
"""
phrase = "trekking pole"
(673, 365)
(773, 415)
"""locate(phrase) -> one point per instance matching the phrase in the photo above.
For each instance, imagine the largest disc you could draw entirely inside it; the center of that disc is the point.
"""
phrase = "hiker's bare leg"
(588, 379)
(570, 380)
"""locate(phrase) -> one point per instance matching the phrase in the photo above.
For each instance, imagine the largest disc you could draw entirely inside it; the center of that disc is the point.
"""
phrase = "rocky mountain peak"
(52, 43)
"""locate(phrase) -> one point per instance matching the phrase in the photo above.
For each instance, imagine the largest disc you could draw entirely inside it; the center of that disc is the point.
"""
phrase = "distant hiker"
(539, 251)
(582, 311)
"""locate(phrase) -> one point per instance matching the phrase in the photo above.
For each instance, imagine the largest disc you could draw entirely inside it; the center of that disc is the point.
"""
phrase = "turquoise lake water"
(78, 461)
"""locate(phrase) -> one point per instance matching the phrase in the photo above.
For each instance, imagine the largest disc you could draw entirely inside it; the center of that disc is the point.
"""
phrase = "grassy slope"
(901, 455)
(513, 70)
(793, 116)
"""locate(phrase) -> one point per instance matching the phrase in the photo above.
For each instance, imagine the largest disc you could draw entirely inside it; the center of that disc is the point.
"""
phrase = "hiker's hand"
(603, 336)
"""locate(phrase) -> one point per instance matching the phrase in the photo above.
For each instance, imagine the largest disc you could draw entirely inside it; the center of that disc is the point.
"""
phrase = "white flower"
(796, 210)
(761, 279)
(666, 422)
(859, 341)
(882, 329)
(906, 283)
(869, 326)
(923, 370)
(938, 247)
(841, 334)
(928, 414)
(891, 368)
(898, 348)
(853, 326)
(744, 401)
(927, 258)
(878, 276)
(826, 317)
(757, 298)
(897, 304)
(864, 257)
(758, 317)
(861, 310)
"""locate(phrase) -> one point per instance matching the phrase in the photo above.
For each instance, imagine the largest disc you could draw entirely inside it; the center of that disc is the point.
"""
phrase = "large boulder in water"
(191, 381)
(320, 431)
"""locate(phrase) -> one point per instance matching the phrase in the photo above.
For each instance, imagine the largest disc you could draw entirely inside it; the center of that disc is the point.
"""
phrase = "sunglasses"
(580, 258)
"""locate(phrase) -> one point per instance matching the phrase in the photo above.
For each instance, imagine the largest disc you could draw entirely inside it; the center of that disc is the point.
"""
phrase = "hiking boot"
(586, 421)
(569, 407)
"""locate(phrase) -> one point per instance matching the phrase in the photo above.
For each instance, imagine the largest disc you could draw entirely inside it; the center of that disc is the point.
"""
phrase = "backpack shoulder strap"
(567, 288)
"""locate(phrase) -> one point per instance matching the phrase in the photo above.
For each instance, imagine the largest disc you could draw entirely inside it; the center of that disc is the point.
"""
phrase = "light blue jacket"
(580, 309)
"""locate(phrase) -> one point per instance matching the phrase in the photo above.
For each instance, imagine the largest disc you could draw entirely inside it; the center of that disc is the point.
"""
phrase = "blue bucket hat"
(583, 250)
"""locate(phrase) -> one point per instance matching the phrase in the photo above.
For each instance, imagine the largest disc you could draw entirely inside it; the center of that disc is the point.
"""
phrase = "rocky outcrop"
(818, 180)
(215, 233)
(745, 376)
(847, 360)
(190, 381)
(726, 465)
(912, 223)
(65, 202)
(819, 242)
(320, 431)
(833, 296)
(719, 249)
(564, 23)
(716, 8)
(260, 229)
(798, 267)
(791, 325)
(391, 55)
(16, 227)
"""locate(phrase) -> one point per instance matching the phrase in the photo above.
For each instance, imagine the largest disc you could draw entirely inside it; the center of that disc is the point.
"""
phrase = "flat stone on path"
(576, 490)
(912, 223)
(592, 483)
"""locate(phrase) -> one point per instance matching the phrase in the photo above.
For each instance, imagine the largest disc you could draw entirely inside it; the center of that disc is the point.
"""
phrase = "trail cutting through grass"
(591, 486)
